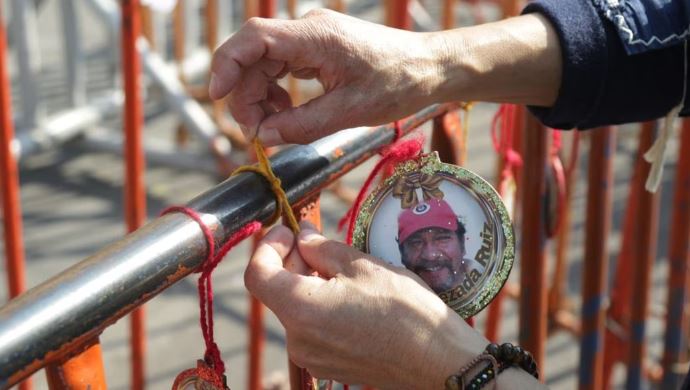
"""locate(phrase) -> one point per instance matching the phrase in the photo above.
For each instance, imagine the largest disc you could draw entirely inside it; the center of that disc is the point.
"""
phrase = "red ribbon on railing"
(205, 286)
(397, 152)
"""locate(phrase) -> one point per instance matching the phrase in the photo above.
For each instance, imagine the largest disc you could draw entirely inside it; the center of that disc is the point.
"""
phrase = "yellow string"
(264, 169)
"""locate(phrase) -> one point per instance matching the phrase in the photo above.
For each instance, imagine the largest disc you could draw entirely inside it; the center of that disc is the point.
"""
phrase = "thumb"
(265, 275)
(315, 119)
(327, 257)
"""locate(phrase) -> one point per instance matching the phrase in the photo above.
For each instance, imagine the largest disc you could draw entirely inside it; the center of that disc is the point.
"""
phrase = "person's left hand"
(359, 320)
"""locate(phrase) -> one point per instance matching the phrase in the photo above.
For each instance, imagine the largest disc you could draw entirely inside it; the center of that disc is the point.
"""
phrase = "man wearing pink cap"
(431, 241)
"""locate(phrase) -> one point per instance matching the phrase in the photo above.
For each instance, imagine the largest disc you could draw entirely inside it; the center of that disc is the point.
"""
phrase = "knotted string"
(391, 154)
(205, 286)
(264, 169)
(212, 354)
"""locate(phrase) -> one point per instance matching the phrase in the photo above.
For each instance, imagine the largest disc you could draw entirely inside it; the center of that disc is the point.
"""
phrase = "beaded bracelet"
(501, 358)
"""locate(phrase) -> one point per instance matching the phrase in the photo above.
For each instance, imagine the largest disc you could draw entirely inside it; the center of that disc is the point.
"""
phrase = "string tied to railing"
(212, 355)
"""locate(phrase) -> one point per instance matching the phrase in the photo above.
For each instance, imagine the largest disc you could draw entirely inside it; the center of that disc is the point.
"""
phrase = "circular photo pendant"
(445, 224)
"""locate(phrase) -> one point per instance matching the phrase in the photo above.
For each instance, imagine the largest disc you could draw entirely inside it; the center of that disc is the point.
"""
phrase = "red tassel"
(212, 355)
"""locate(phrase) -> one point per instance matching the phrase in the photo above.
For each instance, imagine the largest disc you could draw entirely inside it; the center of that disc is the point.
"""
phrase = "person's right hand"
(359, 320)
(371, 74)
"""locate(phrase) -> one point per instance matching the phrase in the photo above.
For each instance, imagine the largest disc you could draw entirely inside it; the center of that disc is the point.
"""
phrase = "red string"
(395, 153)
(502, 138)
(205, 286)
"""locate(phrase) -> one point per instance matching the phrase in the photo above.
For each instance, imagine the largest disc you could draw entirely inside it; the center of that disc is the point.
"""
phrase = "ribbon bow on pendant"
(405, 188)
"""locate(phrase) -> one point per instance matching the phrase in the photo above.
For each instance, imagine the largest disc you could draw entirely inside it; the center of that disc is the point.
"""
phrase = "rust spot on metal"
(338, 152)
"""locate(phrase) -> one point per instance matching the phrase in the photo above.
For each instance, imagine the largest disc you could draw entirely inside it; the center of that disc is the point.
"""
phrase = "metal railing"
(56, 318)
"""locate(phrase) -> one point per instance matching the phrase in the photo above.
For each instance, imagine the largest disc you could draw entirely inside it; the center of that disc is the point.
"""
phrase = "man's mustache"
(442, 261)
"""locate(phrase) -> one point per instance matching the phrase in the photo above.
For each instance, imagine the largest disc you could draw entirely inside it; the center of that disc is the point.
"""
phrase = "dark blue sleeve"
(601, 84)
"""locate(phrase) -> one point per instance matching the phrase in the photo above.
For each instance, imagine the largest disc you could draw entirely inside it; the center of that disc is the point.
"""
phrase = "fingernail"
(270, 137)
(309, 234)
(213, 86)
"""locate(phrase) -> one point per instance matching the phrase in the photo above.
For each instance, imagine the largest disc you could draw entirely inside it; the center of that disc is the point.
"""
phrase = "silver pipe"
(46, 323)
(155, 152)
(74, 61)
(67, 124)
(25, 35)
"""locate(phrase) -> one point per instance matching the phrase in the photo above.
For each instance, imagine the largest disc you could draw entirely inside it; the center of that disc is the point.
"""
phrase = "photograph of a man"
(431, 240)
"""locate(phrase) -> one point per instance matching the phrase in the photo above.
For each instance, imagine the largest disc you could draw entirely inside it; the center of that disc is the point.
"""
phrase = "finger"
(265, 276)
(310, 121)
(296, 264)
(245, 102)
(258, 38)
(326, 257)
(278, 97)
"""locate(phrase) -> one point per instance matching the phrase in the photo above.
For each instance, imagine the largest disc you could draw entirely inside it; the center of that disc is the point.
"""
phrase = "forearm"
(517, 60)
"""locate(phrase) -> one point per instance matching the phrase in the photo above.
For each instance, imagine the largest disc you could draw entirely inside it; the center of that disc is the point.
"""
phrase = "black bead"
(492, 349)
(525, 357)
(508, 352)
(518, 354)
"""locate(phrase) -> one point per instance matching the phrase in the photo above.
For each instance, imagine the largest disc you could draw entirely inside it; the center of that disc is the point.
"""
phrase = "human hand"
(371, 74)
(359, 320)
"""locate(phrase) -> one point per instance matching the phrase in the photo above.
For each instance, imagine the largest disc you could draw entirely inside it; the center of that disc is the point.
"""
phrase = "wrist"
(455, 344)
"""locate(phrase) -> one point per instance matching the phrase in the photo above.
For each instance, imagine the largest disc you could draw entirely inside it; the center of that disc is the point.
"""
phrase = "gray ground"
(72, 206)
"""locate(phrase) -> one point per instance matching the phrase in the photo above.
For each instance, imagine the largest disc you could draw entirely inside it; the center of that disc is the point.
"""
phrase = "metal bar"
(560, 316)
(616, 343)
(134, 191)
(25, 35)
(310, 211)
(533, 304)
(84, 372)
(75, 68)
(397, 15)
(78, 304)
(267, 8)
(9, 184)
(257, 339)
(192, 27)
(224, 20)
(448, 14)
(644, 255)
(595, 277)
(165, 153)
(257, 336)
(676, 335)
(447, 138)
(494, 312)
(65, 125)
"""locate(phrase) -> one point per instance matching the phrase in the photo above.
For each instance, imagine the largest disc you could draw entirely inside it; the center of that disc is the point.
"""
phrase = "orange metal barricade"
(9, 184)
(596, 262)
(643, 259)
(134, 192)
(676, 334)
(533, 249)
